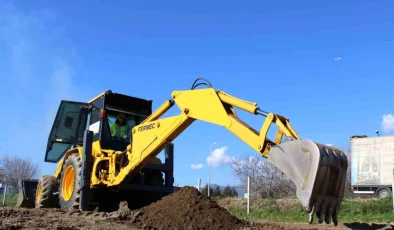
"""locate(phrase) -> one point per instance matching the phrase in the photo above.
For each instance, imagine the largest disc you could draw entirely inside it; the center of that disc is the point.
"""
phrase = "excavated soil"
(185, 209)
(188, 209)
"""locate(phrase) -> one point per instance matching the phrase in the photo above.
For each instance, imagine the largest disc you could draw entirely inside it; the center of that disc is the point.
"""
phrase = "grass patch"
(10, 199)
(290, 210)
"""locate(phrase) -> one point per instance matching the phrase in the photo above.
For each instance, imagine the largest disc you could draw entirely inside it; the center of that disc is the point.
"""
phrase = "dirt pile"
(187, 209)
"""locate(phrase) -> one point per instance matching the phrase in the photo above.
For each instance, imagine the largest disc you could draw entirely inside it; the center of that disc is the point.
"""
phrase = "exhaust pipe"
(319, 173)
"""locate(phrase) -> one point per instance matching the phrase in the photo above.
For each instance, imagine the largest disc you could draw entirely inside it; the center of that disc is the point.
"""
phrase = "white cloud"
(337, 58)
(218, 157)
(197, 166)
(329, 144)
(388, 123)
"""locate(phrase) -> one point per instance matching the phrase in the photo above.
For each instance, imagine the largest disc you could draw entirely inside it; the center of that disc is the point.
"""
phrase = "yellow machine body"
(318, 171)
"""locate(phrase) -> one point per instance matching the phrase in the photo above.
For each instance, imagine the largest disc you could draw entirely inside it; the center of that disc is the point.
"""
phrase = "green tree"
(216, 192)
(227, 192)
(234, 192)
(204, 190)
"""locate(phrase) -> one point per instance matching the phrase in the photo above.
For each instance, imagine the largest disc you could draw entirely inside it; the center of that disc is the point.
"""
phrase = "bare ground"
(185, 209)
(14, 218)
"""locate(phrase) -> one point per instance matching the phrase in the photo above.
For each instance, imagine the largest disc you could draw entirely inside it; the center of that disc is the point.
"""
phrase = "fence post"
(5, 191)
(248, 195)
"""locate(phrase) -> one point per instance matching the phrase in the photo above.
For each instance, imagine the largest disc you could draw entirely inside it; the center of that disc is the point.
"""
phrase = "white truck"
(372, 164)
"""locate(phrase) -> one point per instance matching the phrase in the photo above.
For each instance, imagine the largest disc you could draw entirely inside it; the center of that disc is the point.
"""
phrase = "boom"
(214, 106)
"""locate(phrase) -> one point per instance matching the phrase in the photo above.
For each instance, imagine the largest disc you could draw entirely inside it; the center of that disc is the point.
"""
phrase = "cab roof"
(121, 102)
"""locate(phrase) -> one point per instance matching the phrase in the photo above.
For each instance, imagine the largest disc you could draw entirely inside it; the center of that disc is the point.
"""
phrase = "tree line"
(228, 191)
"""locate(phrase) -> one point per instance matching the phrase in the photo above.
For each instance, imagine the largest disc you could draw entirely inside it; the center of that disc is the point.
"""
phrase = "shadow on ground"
(356, 225)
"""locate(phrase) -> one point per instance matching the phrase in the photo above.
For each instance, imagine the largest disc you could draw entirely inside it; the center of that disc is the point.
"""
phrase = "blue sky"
(327, 65)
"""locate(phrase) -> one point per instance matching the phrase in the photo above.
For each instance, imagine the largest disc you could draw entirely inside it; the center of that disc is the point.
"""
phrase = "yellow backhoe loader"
(96, 170)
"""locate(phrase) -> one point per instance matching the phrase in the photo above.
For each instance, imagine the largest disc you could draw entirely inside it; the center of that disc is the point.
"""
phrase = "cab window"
(131, 121)
(95, 121)
(67, 129)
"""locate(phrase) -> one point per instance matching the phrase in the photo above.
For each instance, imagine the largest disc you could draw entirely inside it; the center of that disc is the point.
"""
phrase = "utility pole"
(209, 170)
(4, 193)
(248, 204)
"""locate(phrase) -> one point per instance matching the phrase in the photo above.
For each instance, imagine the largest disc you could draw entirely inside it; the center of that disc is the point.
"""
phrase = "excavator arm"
(213, 106)
(318, 171)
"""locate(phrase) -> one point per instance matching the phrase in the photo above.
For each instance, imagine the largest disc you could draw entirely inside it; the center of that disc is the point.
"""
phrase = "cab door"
(67, 130)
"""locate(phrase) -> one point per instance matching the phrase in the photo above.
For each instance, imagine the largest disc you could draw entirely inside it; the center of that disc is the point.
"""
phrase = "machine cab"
(99, 116)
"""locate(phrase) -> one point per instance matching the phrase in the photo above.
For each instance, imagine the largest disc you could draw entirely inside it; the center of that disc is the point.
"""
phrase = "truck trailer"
(372, 164)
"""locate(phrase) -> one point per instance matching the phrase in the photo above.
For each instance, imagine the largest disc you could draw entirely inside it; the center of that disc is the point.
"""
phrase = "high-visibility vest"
(117, 130)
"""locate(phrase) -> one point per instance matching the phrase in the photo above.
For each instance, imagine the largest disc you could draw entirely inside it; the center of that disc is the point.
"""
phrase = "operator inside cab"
(119, 127)
(119, 130)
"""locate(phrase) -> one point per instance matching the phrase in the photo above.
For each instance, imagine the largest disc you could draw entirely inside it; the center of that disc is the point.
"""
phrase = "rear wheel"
(46, 196)
(383, 193)
(69, 188)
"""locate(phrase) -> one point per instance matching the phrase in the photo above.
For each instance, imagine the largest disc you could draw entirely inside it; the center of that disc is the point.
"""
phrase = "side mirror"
(68, 122)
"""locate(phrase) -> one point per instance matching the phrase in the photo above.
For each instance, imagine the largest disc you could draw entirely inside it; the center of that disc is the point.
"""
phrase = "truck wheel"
(383, 193)
(45, 197)
(70, 183)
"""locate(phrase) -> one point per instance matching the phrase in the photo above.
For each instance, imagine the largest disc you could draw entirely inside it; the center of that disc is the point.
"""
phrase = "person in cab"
(119, 127)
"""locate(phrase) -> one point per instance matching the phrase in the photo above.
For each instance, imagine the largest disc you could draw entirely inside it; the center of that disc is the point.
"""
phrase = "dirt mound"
(187, 209)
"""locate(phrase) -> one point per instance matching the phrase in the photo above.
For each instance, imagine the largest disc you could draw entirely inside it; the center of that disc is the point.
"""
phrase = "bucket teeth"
(329, 184)
(319, 173)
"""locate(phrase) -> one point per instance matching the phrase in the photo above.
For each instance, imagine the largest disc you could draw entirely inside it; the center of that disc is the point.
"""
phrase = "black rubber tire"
(73, 203)
(48, 198)
(383, 193)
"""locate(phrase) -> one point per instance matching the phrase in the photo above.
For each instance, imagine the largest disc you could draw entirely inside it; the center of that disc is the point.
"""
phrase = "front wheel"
(69, 189)
(47, 188)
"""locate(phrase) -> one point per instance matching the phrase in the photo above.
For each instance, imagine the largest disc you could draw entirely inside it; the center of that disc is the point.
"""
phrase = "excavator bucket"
(26, 194)
(319, 173)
